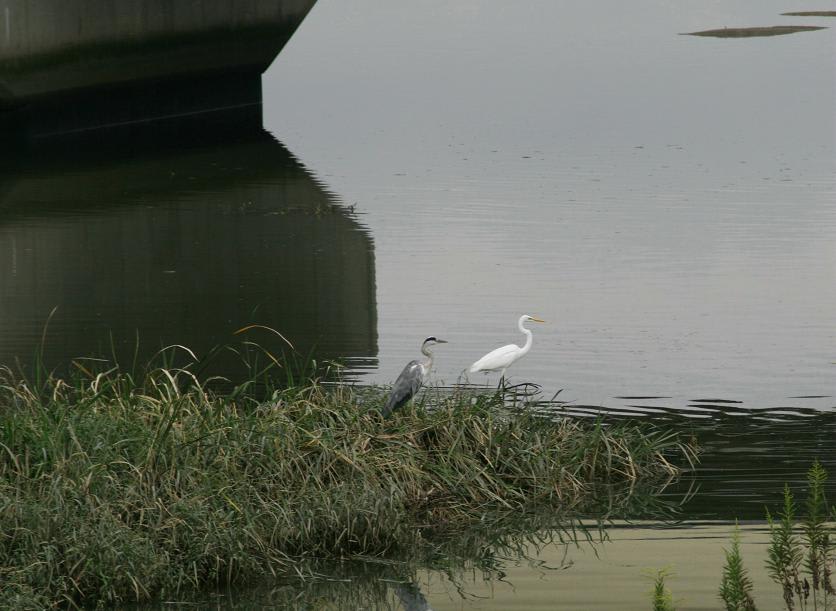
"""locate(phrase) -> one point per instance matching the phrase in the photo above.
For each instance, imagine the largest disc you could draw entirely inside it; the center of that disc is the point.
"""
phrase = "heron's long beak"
(441, 341)
(536, 320)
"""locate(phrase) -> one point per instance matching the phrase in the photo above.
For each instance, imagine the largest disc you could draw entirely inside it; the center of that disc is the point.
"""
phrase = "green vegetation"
(736, 587)
(662, 598)
(788, 552)
(802, 564)
(117, 487)
(792, 558)
(785, 553)
(813, 550)
(819, 545)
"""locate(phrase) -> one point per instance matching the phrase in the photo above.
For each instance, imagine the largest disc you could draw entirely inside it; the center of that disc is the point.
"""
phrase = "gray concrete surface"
(54, 48)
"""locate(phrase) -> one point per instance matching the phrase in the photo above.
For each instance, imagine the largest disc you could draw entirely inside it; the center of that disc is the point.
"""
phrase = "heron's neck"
(528, 338)
(425, 350)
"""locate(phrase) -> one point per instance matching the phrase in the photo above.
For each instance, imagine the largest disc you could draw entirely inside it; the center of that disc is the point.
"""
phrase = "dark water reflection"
(747, 455)
(179, 234)
(747, 460)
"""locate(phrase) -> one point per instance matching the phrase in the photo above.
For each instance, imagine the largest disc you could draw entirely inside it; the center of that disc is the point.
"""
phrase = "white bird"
(502, 358)
(413, 376)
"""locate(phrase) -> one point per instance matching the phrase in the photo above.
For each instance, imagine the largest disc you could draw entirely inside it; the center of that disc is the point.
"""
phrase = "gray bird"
(413, 376)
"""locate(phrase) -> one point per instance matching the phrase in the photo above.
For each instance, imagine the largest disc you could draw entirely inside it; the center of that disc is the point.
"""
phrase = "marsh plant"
(818, 559)
(119, 487)
(800, 556)
(736, 586)
(662, 597)
(785, 554)
(802, 564)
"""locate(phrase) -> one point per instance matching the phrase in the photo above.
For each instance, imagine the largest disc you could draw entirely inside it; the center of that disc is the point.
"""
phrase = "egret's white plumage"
(413, 376)
(502, 358)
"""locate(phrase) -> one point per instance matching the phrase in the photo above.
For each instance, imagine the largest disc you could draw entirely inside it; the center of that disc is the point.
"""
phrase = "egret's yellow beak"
(536, 320)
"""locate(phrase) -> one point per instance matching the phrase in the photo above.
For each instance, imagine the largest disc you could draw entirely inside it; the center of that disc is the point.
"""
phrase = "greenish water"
(613, 575)
(114, 252)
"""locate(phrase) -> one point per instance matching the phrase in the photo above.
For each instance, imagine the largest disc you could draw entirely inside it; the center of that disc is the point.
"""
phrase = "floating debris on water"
(775, 30)
(811, 14)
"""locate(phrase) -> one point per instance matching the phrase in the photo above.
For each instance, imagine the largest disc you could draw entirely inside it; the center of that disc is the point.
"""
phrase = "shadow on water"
(178, 232)
(746, 461)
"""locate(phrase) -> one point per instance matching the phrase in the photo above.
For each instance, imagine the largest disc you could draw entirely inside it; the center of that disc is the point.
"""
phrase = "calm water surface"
(614, 575)
(162, 243)
(665, 202)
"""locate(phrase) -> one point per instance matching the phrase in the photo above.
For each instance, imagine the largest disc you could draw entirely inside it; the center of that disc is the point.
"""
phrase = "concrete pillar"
(59, 53)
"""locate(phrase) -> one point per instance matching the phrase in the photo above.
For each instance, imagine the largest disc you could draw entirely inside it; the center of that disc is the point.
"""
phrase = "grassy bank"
(116, 489)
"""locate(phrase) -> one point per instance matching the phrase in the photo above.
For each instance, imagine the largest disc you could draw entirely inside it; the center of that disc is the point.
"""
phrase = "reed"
(662, 597)
(817, 538)
(785, 554)
(736, 586)
(792, 557)
(116, 487)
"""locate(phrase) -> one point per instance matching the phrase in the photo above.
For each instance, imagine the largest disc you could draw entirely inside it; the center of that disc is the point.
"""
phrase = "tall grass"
(785, 553)
(662, 597)
(793, 557)
(816, 536)
(116, 487)
(736, 586)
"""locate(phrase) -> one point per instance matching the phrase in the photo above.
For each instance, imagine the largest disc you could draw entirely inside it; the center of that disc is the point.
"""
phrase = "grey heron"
(413, 376)
(502, 358)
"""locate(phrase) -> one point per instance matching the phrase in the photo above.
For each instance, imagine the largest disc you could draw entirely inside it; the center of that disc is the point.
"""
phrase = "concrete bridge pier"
(71, 65)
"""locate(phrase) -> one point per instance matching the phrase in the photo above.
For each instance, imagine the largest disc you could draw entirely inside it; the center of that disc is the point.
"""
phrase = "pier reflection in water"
(177, 234)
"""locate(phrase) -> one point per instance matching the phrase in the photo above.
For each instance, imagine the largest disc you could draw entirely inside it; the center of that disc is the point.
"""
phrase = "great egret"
(502, 358)
(412, 378)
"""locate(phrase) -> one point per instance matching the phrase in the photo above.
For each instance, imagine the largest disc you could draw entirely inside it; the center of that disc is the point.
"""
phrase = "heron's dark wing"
(405, 387)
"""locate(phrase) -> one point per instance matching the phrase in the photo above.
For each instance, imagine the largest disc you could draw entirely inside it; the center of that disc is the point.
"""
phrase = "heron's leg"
(502, 380)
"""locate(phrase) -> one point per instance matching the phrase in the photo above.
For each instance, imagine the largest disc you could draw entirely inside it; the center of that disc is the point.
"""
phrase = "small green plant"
(785, 553)
(736, 587)
(803, 565)
(816, 536)
(662, 598)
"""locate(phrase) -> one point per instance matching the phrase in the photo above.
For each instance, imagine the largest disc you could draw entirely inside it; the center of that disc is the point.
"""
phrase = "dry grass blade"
(266, 328)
